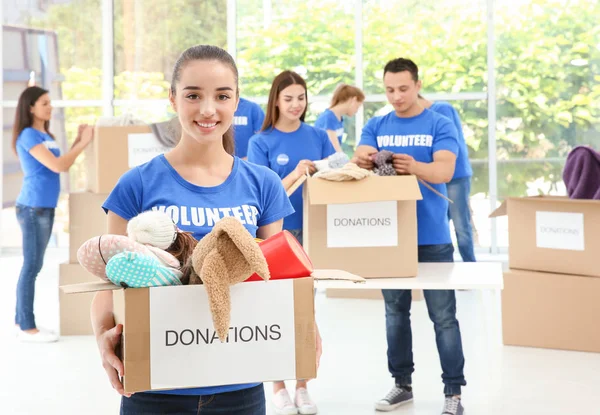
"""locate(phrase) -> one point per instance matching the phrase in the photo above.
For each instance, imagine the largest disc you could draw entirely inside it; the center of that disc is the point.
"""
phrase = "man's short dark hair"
(401, 65)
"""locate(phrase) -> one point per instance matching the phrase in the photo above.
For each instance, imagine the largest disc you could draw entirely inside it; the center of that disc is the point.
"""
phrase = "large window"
(548, 95)
(149, 36)
(547, 70)
(314, 38)
(447, 39)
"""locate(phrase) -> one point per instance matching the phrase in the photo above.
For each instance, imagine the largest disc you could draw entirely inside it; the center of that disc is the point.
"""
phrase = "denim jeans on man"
(459, 191)
(36, 228)
(441, 305)
(243, 402)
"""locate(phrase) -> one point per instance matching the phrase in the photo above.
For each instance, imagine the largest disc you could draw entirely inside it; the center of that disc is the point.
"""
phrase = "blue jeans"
(243, 402)
(297, 233)
(441, 305)
(36, 227)
(459, 212)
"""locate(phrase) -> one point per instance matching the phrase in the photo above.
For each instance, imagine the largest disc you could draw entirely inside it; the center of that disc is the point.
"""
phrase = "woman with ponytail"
(195, 182)
(41, 163)
(345, 102)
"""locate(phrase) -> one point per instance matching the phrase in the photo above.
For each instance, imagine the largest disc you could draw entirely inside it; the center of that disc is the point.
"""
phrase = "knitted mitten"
(383, 164)
(135, 270)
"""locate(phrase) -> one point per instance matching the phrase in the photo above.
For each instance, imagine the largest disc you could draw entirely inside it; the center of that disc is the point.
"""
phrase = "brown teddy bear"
(227, 255)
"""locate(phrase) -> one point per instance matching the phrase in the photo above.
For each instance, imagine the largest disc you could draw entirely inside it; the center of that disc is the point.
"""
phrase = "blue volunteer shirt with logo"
(253, 194)
(463, 166)
(282, 152)
(329, 121)
(247, 121)
(41, 186)
(420, 137)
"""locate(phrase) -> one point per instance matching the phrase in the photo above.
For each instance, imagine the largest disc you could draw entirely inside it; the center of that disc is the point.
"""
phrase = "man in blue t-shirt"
(459, 188)
(425, 145)
(247, 121)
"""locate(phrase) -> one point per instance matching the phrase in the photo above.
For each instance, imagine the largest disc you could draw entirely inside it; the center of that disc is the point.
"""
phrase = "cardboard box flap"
(502, 210)
(88, 287)
(369, 189)
(335, 274)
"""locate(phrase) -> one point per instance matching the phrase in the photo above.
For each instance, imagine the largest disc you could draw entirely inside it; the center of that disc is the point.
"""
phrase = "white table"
(435, 276)
(485, 277)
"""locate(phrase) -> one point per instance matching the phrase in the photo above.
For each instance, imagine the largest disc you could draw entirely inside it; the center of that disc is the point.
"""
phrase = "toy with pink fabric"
(151, 255)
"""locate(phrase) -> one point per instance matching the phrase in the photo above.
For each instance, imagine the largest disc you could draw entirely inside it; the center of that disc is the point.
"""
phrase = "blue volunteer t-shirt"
(463, 166)
(420, 137)
(247, 121)
(282, 152)
(41, 186)
(329, 121)
(253, 194)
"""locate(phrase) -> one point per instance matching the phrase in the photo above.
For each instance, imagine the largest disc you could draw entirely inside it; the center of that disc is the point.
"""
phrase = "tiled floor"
(66, 377)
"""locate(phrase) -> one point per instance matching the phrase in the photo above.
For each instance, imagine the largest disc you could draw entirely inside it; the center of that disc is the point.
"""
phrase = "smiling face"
(292, 103)
(205, 99)
(42, 109)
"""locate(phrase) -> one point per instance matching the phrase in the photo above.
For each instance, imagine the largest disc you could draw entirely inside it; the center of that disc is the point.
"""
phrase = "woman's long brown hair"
(23, 115)
(182, 249)
(281, 82)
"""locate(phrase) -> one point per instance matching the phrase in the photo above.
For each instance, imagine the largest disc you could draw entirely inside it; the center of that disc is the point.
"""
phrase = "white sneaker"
(42, 336)
(305, 405)
(283, 403)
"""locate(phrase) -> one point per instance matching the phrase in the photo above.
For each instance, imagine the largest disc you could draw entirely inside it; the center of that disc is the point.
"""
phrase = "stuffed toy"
(151, 254)
(383, 163)
(582, 173)
(227, 255)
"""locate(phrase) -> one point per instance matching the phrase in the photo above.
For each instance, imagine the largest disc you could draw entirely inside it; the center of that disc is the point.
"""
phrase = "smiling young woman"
(200, 172)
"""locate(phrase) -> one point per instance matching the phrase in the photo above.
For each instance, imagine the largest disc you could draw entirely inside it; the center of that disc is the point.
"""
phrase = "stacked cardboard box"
(551, 291)
(113, 151)
(86, 220)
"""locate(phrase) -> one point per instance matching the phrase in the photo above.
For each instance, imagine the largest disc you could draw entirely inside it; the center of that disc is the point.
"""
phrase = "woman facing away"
(41, 162)
(345, 102)
(201, 171)
(289, 146)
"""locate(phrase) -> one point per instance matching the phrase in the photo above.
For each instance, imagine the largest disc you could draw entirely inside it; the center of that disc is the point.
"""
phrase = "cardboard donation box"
(115, 150)
(367, 227)
(169, 339)
(554, 311)
(86, 220)
(553, 234)
(74, 310)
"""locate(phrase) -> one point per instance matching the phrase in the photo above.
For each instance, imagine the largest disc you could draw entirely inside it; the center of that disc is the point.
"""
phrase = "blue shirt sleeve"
(257, 152)
(324, 121)
(327, 147)
(446, 136)
(258, 117)
(450, 112)
(30, 138)
(126, 198)
(369, 134)
(276, 203)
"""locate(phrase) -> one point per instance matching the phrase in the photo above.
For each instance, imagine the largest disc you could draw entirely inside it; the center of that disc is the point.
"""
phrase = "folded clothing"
(581, 173)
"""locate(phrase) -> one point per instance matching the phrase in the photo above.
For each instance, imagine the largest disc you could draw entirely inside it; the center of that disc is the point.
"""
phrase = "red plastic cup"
(285, 258)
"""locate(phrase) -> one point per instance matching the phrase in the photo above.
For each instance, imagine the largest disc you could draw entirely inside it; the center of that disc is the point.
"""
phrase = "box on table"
(556, 311)
(367, 227)
(115, 150)
(169, 341)
(74, 310)
(86, 219)
(553, 234)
